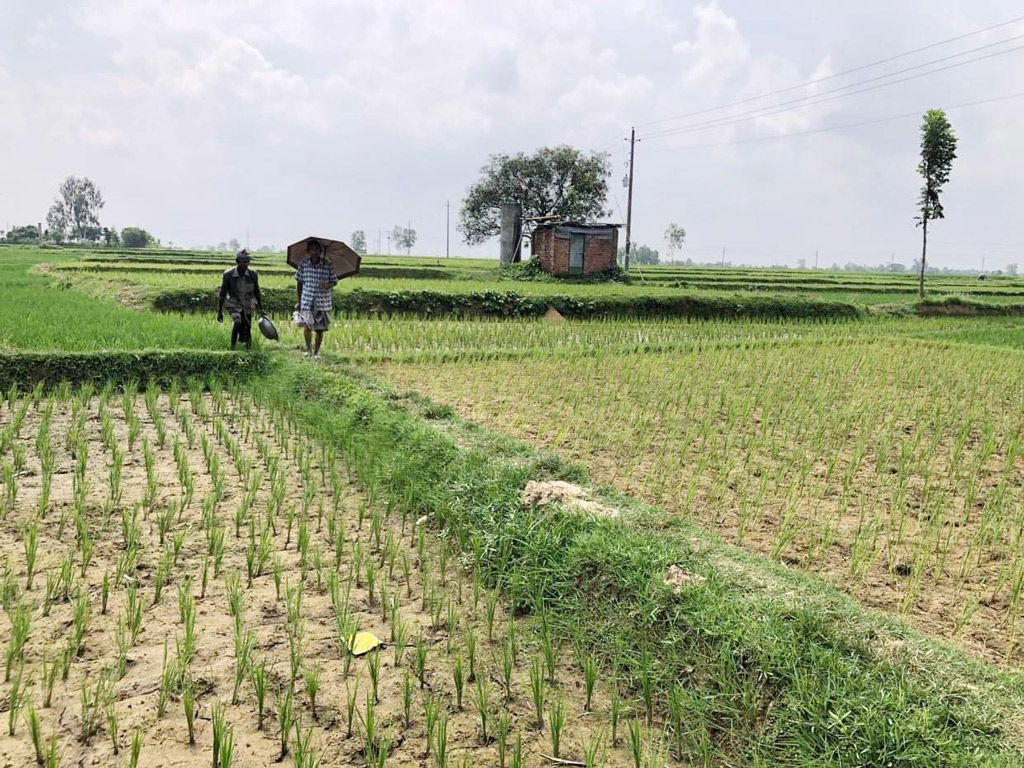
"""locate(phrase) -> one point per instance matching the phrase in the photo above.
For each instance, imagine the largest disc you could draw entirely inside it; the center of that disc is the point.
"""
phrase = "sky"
(206, 121)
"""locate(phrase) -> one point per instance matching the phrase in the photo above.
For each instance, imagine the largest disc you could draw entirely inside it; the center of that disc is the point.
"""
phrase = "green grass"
(34, 316)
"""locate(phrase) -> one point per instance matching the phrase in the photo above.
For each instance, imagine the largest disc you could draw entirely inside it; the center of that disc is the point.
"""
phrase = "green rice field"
(780, 523)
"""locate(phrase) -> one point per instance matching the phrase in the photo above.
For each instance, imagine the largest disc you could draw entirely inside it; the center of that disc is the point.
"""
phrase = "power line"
(828, 129)
(834, 76)
(818, 98)
(783, 108)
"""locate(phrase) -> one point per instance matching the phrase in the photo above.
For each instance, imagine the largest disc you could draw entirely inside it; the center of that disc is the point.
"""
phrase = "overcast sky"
(201, 121)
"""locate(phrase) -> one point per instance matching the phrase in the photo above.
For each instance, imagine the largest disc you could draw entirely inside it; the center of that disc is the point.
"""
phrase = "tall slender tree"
(75, 212)
(938, 150)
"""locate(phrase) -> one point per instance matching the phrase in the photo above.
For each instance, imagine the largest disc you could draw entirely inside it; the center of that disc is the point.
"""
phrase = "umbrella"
(344, 260)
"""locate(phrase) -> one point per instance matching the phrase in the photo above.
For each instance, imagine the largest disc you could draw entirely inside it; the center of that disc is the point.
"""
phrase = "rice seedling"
(79, 623)
(636, 742)
(407, 700)
(420, 661)
(15, 699)
(646, 684)
(35, 732)
(517, 752)
(614, 708)
(314, 675)
(93, 709)
(537, 691)
(504, 726)
(304, 755)
(50, 670)
(373, 666)
(441, 742)
(245, 643)
(470, 638)
(431, 713)
(21, 625)
(459, 678)
(188, 705)
(507, 667)
(223, 738)
(588, 665)
(169, 679)
(594, 751)
(133, 612)
(483, 706)
(260, 682)
(112, 729)
(556, 724)
(351, 697)
(136, 749)
(284, 708)
(104, 593)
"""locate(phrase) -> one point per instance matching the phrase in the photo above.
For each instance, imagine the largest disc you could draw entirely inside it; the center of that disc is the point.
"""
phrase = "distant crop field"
(196, 275)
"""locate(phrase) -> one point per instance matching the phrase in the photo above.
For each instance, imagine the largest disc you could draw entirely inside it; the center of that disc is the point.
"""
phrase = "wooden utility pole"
(629, 199)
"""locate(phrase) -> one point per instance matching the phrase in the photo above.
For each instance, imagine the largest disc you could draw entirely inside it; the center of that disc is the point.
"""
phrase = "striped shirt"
(315, 297)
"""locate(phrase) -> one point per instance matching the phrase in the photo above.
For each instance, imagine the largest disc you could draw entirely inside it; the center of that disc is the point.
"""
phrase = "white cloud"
(350, 113)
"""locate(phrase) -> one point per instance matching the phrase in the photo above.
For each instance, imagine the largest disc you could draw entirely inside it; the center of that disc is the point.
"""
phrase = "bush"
(957, 305)
(512, 304)
(136, 237)
(532, 270)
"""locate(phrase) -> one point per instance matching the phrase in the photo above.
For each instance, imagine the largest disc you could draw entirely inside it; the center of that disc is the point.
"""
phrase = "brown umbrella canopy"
(344, 260)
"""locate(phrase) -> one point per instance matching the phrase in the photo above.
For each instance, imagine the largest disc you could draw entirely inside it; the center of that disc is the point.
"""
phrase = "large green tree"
(75, 212)
(938, 150)
(24, 234)
(553, 181)
(136, 237)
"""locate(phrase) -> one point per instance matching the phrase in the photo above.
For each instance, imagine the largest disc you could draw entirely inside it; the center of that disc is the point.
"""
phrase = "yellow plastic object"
(363, 642)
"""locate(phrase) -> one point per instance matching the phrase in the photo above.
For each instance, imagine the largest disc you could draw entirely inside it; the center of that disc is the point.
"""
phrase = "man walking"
(315, 279)
(240, 293)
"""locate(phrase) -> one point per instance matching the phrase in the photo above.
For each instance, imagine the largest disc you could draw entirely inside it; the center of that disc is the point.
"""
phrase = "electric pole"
(815, 258)
(629, 198)
(723, 255)
(447, 227)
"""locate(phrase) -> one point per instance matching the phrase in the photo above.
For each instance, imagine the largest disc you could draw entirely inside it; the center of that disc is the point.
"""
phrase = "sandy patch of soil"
(569, 496)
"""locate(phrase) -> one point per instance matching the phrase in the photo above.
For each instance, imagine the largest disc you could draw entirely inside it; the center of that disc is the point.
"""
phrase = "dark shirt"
(241, 291)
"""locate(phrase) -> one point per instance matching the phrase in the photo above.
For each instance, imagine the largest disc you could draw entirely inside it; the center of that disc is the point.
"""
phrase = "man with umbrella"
(240, 293)
(314, 278)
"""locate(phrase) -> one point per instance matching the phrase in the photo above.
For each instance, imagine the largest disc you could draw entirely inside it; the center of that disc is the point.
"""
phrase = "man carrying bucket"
(240, 293)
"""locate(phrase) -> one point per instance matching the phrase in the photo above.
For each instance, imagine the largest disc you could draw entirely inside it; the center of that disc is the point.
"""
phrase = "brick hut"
(568, 248)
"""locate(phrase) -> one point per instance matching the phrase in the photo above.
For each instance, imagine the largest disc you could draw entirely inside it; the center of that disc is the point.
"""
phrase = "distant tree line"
(74, 217)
